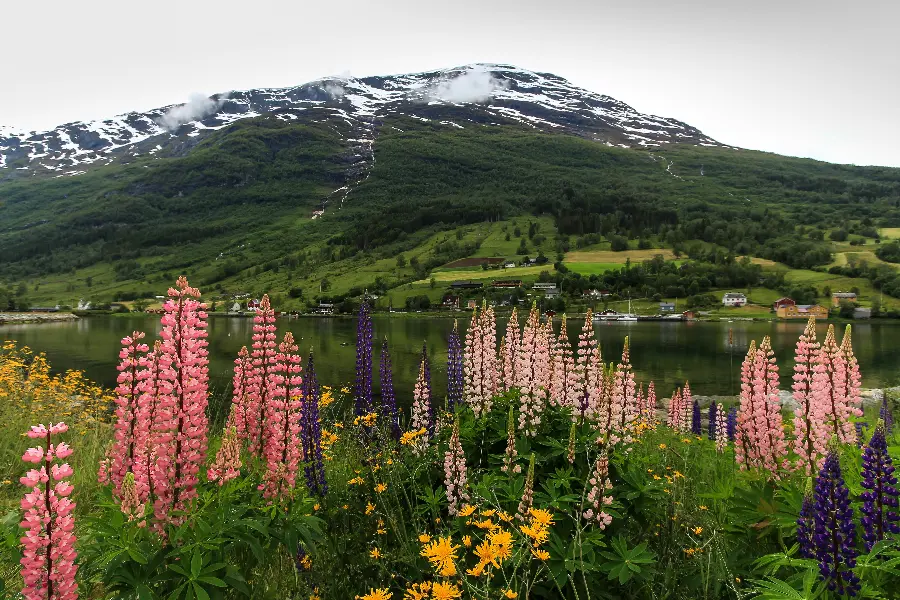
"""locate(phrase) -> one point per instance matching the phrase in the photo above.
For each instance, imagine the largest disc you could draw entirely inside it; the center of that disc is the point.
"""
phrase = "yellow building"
(802, 311)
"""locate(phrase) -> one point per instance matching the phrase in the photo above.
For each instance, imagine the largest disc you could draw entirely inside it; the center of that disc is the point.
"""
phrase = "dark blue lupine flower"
(731, 423)
(806, 523)
(311, 433)
(431, 415)
(834, 535)
(454, 370)
(363, 387)
(886, 415)
(859, 432)
(696, 422)
(712, 421)
(388, 400)
(879, 509)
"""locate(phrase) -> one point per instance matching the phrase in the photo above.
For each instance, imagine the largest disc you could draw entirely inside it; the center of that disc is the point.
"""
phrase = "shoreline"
(34, 318)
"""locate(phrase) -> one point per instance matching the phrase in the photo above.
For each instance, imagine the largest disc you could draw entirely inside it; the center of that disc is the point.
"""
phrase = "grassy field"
(490, 274)
(610, 257)
(592, 268)
(891, 233)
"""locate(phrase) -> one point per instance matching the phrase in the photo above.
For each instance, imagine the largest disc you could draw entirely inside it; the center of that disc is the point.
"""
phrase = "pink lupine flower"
(261, 386)
(421, 411)
(182, 423)
(623, 396)
(283, 420)
(473, 366)
(810, 430)
(490, 366)
(131, 504)
(650, 404)
(48, 546)
(588, 363)
(455, 472)
(565, 378)
(721, 429)
(602, 411)
(852, 378)
(770, 445)
(509, 457)
(508, 357)
(122, 453)
(227, 465)
(244, 410)
(532, 364)
(597, 498)
(151, 429)
(527, 500)
(686, 410)
(745, 435)
(830, 389)
(673, 419)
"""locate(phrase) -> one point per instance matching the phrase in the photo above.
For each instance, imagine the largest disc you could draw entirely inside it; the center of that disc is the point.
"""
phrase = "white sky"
(817, 78)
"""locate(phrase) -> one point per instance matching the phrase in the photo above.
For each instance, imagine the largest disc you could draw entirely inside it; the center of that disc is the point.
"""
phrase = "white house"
(509, 265)
(733, 299)
(539, 285)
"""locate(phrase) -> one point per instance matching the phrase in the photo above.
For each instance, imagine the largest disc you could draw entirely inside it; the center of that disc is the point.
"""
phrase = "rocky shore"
(869, 397)
(29, 317)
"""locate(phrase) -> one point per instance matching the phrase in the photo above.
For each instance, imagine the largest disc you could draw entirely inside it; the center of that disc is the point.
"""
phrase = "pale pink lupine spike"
(473, 365)
(673, 420)
(650, 402)
(123, 451)
(489, 367)
(420, 420)
(830, 389)
(770, 440)
(242, 400)
(227, 465)
(261, 385)
(588, 363)
(852, 380)
(623, 397)
(532, 366)
(686, 409)
(721, 429)
(181, 422)
(598, 498)
(283, 420)
(810, 430)
(48, 546)
(455, 472)
(746, 453)
(512, 338)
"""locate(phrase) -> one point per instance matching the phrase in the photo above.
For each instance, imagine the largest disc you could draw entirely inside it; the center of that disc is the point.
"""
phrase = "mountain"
(459, 96)
(315, 191)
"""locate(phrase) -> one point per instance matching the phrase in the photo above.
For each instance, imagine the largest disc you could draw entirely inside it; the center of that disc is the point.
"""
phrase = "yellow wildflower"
(510, 594)
(317, 506)
(306, 562)
(678, 474)
(370, 508)
(466, 510)
(540, 554)
(488, 512)
(697, 530)
(445, 591)
(381, 531)
(424, 538)
(441, 553)
(379, 594)
(662, 446)
(418, 591)
(542, 517)
(467, 541)
(486, 524)
(702, 507)
(375, 553)
(380, 488)
(487, 554)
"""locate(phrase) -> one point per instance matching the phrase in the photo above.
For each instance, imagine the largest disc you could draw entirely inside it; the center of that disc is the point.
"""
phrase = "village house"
(325, 309)
(862, 313)
(596, 294)
(666, 307)
(253, 304)
(542, 285)
(838, 297)
(507, 283)
(450, 301)
(734, 299)
(802, 311)
(782, 303)
(466, 285)
(509, 265)
(472, 305)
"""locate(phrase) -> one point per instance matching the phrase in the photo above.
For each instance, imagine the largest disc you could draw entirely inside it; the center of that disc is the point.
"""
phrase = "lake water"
(667, 353)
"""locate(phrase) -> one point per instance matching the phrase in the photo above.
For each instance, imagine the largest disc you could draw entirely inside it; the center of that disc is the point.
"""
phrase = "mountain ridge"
(489, 93)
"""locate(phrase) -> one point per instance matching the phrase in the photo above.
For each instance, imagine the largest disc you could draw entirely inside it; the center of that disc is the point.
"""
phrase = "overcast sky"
(817, 78)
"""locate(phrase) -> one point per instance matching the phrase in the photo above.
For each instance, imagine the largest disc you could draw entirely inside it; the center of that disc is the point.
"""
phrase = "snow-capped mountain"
(459, 97)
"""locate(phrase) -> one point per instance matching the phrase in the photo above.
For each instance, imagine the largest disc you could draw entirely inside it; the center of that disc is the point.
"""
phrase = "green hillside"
(236, 212)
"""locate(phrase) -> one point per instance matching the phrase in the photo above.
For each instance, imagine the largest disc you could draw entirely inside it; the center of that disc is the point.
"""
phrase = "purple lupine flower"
(696, 419)
(363, 387)
(388, 400)
(834, 535)
(311, 434)
(879, 509)
(806, 523)
(454, 370)
(860, 425)
(427, 368)
(886, 415)
(712, 421)
(731, 423)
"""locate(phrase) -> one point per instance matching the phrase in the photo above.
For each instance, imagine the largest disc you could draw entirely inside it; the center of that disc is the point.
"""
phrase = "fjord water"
(667, 353)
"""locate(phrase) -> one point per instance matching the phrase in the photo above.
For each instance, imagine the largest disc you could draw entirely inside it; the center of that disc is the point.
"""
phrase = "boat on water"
(629, 316)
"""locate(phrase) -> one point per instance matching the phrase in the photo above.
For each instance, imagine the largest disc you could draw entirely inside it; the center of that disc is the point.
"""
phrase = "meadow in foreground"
(545, 473)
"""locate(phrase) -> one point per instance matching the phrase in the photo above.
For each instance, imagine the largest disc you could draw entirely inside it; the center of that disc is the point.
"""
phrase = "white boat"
(629, 316)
